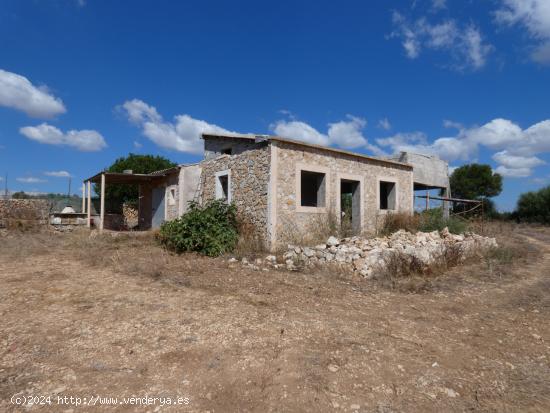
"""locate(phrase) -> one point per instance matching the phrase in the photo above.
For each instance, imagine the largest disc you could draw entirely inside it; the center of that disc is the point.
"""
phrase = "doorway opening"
(350, 207)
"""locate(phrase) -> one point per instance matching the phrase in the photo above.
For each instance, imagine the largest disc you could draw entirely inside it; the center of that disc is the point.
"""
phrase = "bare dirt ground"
(87, 317)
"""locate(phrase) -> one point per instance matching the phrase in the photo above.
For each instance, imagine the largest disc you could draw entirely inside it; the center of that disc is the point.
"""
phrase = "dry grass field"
(100, 316)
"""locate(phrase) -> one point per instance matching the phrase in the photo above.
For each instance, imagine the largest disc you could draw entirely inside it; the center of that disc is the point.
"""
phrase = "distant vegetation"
(534, 207)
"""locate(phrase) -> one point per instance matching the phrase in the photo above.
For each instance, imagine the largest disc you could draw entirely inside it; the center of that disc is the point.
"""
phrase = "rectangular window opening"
(312, 189)
(172, 196)
(222, 187)
(227, 151)
(387, 195)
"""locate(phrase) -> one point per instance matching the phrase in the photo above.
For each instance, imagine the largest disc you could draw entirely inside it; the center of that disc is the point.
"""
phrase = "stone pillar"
(446, 204)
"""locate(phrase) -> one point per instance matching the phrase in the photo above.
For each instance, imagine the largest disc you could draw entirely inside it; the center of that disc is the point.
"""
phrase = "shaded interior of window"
(224, 186)
(312, 189)
(387, 195)
(227, 151)
(172, 197)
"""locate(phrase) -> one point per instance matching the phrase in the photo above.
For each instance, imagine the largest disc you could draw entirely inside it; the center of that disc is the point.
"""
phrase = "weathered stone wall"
(292, 222)
(213, 147)
(248, 184)
(29, 211)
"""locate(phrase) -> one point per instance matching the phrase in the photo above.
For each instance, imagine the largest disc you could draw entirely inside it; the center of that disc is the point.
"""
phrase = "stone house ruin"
(281, 187)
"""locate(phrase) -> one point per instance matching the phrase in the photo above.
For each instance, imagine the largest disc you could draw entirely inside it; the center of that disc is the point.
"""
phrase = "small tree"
(116, 194)
(475, 181)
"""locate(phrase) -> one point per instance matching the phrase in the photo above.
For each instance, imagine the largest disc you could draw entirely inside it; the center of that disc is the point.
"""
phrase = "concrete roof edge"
(309, 145)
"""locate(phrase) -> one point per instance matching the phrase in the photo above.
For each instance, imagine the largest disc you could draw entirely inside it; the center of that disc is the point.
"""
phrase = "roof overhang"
(123, 178)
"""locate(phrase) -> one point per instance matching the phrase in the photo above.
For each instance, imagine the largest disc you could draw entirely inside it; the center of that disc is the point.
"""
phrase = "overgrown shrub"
(209, 229)
(426, 221)
(393, 222)
(407, 273)
(433, 220)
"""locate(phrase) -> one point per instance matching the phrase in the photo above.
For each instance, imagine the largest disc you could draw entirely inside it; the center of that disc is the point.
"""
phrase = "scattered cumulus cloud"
(300, 131)
(347, 133)
(516, 148)
(384, 124)
(82, 140)
(17, 92)
(30, 180)
(183, 134)
(534, 15)
(58, 174)
(137, 145)
(465, 44)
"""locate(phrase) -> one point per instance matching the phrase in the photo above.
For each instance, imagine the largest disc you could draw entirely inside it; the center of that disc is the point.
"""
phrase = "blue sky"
(83, 82)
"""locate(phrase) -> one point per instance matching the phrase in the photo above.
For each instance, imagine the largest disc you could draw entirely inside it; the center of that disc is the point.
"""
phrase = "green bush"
(432, 220)
(210, 229)
(535, 206)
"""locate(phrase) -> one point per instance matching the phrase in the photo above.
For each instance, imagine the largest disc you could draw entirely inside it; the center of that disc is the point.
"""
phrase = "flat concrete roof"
(261, 138)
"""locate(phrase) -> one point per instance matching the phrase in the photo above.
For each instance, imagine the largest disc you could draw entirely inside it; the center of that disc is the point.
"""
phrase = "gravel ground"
(119, 317)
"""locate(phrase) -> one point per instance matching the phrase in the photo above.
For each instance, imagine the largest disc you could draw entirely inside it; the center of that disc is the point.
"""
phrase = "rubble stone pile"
(364, 255)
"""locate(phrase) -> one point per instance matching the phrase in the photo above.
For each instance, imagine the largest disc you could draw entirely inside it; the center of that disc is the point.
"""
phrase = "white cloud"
(465, 45)
(513, 172)
(515, 161)
(384, 124)
(346, 133)
(82, 140)
(58, 174)
(183, 134)
(30, 180)
(19, 93)
(516, 147)
(138, 145)
(300, 131)
(534, 15)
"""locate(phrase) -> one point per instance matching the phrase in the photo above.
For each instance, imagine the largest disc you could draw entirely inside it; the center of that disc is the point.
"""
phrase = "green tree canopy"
(475, 181)
(534, 206)
(117, 194)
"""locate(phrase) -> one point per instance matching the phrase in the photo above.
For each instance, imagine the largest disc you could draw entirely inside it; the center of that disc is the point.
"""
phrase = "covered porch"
(150, 199)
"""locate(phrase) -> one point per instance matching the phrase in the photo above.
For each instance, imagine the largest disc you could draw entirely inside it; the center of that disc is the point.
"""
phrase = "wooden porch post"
(102, 203)
(427, 200)
(83, 198)
(89, 209)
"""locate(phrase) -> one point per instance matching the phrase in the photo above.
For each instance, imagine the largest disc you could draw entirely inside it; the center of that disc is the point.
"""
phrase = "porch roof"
(124, 178)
